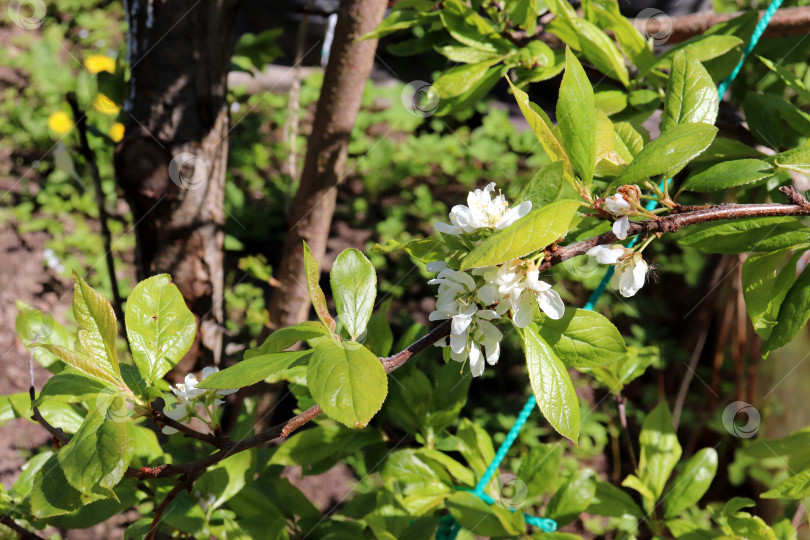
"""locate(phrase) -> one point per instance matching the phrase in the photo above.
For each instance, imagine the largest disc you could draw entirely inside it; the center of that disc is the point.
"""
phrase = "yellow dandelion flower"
(96, 63)
(105, 105)
(116, 131)
(60, 122)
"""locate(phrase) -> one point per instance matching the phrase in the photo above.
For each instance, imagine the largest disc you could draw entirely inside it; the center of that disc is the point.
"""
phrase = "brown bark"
(171, 163)
(350, 63)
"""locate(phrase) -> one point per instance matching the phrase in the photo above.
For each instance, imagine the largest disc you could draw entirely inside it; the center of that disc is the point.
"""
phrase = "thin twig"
(24, 534)
(213, 440)
(631, 452)
(687, 378)
(90, 160)
(181, 485)
(56, 432)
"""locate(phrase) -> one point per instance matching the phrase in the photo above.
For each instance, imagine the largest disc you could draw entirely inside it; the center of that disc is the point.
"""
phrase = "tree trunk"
(171, 162)
(349, 66)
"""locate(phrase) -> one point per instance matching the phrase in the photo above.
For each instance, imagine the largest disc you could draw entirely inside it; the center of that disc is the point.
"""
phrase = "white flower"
(190, 398)
(619, 205)
(482, 211)
(607, 254)
(52, 261)
(435, 266)
(520, 289)
(630, 275)
(472, 334)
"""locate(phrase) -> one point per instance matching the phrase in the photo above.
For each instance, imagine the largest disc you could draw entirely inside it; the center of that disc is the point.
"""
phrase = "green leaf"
(284, 338)
(576, 118)
(252, 370)
(572, 498)
(224, 480)
(601, 51)
(701, 48)
(159, 325)
(669, 153)
(749, 234)
(541, 125)
(632, 139)
(474, 94)
(610, 101)
(551, 385)
(546, 186)
(397, 20)
(484, 520)
(795, 487)
(347, 381)
(70, 387)
(691, 484)
(691, 96)
(793, 314)
(460, 79)
(466, 55)
(613, 502)
(97, 326)
(797, 160)
(83, 363)
(631, 42)
(533, 232)
(471, 29)
(795, 83)
(86, 469)
(728, 175)
(660, 450)
(354, 288)
(315, 292)
(582, 338)
(474, 444)
(766, 279)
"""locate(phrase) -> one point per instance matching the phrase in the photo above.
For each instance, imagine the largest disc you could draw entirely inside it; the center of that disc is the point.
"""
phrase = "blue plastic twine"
(448, 528)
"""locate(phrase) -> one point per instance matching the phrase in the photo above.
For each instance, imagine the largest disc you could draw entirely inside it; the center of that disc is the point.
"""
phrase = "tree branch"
(675, 222)
(24, 534)
(213, 440)
(181, 485)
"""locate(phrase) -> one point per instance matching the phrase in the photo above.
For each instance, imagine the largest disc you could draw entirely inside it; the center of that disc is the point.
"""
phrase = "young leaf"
(354, 288)
(660, 450)
(252, 370)
(601, 51)
(545, 187)
(460, 79)
(691, 484)
(669, 153)
(572, 498)
(691, 96)
(347, 381)
(749, 234)
(70, 387)
(83, 363)
(795, 83)
(766, 279)
(159, 325)
(284, 338)
(795, 487)
(533, 232)
(797, 159)
(631, 42)
(577, 119)
(728, 175)
(97, 326)
(471, 29)
(793, 314)
(582, 338)
(540, 124)
(315, 292)
(551, 385)
(701, 48)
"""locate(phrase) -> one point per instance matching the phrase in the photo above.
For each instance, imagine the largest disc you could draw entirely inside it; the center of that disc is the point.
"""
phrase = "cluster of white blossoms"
(483, 212)
(191, 399)
(473, 300)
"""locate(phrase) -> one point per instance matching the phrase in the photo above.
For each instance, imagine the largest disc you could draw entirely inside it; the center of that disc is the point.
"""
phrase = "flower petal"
(621, 227)
(476, 360)
(524, 314)
(551, 304)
